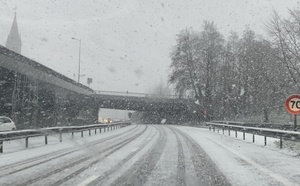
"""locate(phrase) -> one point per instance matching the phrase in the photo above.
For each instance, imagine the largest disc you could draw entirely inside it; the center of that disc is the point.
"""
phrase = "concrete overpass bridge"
(37, 96)
(139, 101)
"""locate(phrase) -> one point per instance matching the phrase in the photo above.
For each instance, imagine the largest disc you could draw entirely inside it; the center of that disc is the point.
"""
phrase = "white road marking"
(135, 149)
(87, 181)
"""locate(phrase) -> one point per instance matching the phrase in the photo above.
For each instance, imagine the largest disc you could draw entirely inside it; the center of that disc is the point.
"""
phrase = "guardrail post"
(95, 131)
(295, 122)
(213, 128)
(26, 142)
(223, 129)
(280, 142)
(229, 131)
(82, 133)
(1, 146)
(218, 130)
(46, 139)
(72, 135)
(265, 140)
(253, 138)
(243, 135)
(60, 136)
(209, 128)
(89, 132)
(100, 130)
(235, 133)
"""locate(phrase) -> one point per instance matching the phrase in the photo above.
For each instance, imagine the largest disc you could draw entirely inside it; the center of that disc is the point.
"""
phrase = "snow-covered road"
(150, 155)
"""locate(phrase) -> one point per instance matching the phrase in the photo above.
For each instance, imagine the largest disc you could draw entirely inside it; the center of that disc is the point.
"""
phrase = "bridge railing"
(26, 134)
(266, 132)
(132, 94)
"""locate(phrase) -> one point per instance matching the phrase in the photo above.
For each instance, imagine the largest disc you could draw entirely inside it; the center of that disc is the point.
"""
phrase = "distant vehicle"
(6, 124)
(105, 120)
(109, 120)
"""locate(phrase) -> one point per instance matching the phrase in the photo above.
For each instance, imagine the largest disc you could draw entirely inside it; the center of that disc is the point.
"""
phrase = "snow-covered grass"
(258, 140)
(283, 118)
(290, 146)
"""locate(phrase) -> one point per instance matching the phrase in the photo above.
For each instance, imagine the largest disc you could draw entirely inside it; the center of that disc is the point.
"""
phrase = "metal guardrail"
(266, 132)
(259, 125)
(26, 134)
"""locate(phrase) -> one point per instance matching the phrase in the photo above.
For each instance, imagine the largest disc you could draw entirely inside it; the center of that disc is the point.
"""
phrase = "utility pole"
(79, 57)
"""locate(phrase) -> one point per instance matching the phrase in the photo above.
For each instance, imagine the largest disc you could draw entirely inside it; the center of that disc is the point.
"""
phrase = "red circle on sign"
(292, 104)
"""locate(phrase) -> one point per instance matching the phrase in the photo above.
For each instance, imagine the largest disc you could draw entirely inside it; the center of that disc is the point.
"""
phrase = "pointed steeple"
(14, 42)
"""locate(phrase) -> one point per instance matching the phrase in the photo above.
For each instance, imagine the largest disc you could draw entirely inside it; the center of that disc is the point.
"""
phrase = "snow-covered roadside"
(247, 163)
(15, 151)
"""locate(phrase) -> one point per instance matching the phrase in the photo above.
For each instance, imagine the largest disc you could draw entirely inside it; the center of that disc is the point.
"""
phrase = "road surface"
(149, 155)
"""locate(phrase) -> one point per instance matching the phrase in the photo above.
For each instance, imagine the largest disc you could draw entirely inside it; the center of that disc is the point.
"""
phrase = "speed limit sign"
(292, 104)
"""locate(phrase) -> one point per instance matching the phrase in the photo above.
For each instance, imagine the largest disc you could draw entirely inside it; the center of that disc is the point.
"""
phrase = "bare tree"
(184, 63)
(286, 38)
(195, 62)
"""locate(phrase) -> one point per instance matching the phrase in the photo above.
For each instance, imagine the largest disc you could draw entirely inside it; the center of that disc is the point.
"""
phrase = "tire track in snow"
(180, 163)
(20, 166)
(116, 148)
(139, 172)
(206, 170)
(101, 179)
(74, 163)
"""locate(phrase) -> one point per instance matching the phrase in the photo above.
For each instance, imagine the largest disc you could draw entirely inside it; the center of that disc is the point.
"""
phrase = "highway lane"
(140, 155)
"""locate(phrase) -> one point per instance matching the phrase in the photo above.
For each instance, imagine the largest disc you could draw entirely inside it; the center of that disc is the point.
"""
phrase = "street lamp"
(79, 57)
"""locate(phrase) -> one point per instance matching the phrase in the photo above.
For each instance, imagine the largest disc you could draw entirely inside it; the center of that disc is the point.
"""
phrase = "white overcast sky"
(126, 43)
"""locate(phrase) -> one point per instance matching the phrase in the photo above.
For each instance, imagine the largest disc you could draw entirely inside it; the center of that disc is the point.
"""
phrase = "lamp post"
(79, 57)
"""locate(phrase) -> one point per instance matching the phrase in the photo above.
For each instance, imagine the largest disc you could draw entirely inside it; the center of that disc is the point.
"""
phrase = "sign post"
(292, 105)
(89, 81)
(129, 115)
(295, 122)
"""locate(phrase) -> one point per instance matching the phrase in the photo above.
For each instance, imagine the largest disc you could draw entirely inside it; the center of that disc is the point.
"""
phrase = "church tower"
(14, 42)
